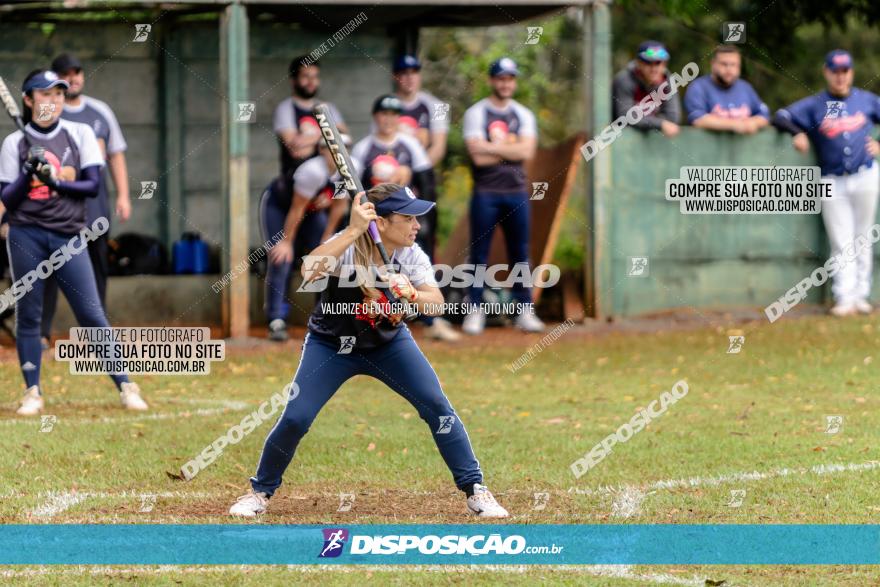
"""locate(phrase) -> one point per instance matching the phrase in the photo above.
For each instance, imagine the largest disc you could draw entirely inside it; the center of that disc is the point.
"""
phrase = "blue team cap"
(652, 52)
(407, 62)
(403, 201)
(838, 59)
(43, 81)
(503, 66)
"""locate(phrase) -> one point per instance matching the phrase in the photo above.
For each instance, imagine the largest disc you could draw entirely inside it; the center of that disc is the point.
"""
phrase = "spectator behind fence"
(722, 101)
(642, 76)
(838, 121)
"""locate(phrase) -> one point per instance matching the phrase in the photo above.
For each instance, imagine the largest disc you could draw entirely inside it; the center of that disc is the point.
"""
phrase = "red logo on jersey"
(39, 190)
(382, 169)
(408, 125)
(733, 112)
(831, 127)
(309, 126)
(322, 200)
(498, 131)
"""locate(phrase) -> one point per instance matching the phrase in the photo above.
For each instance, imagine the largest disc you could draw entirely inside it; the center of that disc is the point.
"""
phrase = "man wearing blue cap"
(839, 122)
(355, 330)
(642, 76)
(500, 134)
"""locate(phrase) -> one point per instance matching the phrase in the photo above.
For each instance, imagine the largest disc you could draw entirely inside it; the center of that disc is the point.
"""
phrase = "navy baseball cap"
(503, 66)
(407, 62)
(838, 59)
(652, 52)
(403, 201)
(386, 103)
(65, 62)
(43, 81)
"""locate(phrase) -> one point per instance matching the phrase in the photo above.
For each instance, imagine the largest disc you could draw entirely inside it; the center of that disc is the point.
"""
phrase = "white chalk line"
(614, 571)
(827, 469)
(224, 407)
(61, 501)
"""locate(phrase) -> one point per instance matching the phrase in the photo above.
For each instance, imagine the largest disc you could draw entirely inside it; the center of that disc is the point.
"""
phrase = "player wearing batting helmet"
(45, 177)
(500, 134)
(838, 122)
(356, 331)
(304, 214)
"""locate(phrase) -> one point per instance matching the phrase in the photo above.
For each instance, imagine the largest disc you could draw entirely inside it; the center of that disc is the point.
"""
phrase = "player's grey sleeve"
(417, 267)
(528, 125)
(359, 151)
(438, 114)
(474, 122)
(115, 142)
(336, 114)
(309, 178)
(10, 165)
(89, 151)
(282, 119)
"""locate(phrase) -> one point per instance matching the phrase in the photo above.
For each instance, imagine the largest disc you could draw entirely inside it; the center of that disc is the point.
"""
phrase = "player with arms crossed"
(45, 177)
(372, 342)
(305, 219)
(838, 121)
(500, 134)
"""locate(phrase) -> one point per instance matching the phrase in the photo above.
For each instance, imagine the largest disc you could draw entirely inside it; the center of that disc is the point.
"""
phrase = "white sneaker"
(863, 307)
(443, 330)
(249, 505)
(842, 310)
(32, 402)
(474, 323)
(130, 395)
(483, 503)
(529, 322)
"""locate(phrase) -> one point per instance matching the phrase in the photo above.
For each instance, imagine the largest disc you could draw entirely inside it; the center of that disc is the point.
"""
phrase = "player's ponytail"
(363, 246)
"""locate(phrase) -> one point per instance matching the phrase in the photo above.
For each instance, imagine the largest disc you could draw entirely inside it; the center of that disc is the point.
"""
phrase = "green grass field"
(753, 421)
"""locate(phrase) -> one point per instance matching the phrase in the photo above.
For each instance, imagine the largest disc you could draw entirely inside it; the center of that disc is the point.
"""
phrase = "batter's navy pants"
(273, 212)
(400, 365)
(511, 211)
(28, 246)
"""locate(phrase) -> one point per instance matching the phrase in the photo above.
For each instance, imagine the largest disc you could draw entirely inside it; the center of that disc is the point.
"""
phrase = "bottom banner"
(440, 544)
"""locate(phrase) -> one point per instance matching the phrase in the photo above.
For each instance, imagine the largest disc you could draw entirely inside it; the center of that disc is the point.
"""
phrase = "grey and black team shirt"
(291, 116)
(329, 318)
(375, 157)
(425, 111)
(485, 121)
(70, 148)
(100, 117)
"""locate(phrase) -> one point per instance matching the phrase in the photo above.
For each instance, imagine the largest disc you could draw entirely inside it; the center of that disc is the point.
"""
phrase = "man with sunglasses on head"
(643, 75)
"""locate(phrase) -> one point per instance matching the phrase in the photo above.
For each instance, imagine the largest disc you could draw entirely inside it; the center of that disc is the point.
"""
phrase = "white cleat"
(249, 505)
(130, 395)
(841, 310)
(443, 330)
(32, 402)
(483, 503)
(474, 323)
(863, 307)
(529, 322)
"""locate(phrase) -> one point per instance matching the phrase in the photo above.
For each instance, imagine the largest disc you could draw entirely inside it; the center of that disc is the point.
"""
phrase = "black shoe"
(278, 330)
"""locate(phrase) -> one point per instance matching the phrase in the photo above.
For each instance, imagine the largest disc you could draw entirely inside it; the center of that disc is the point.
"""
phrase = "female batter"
(303, 216)
(45, 175)
(371, 341)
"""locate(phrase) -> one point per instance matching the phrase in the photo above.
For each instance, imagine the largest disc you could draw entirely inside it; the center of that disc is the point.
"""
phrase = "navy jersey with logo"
(484, 121)
(70, 147)
(426, 112)
(101, 119)
(740, 100)
(289, 115)
(837, 127)
(314, 182)
(364, 331)
(379, 160)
